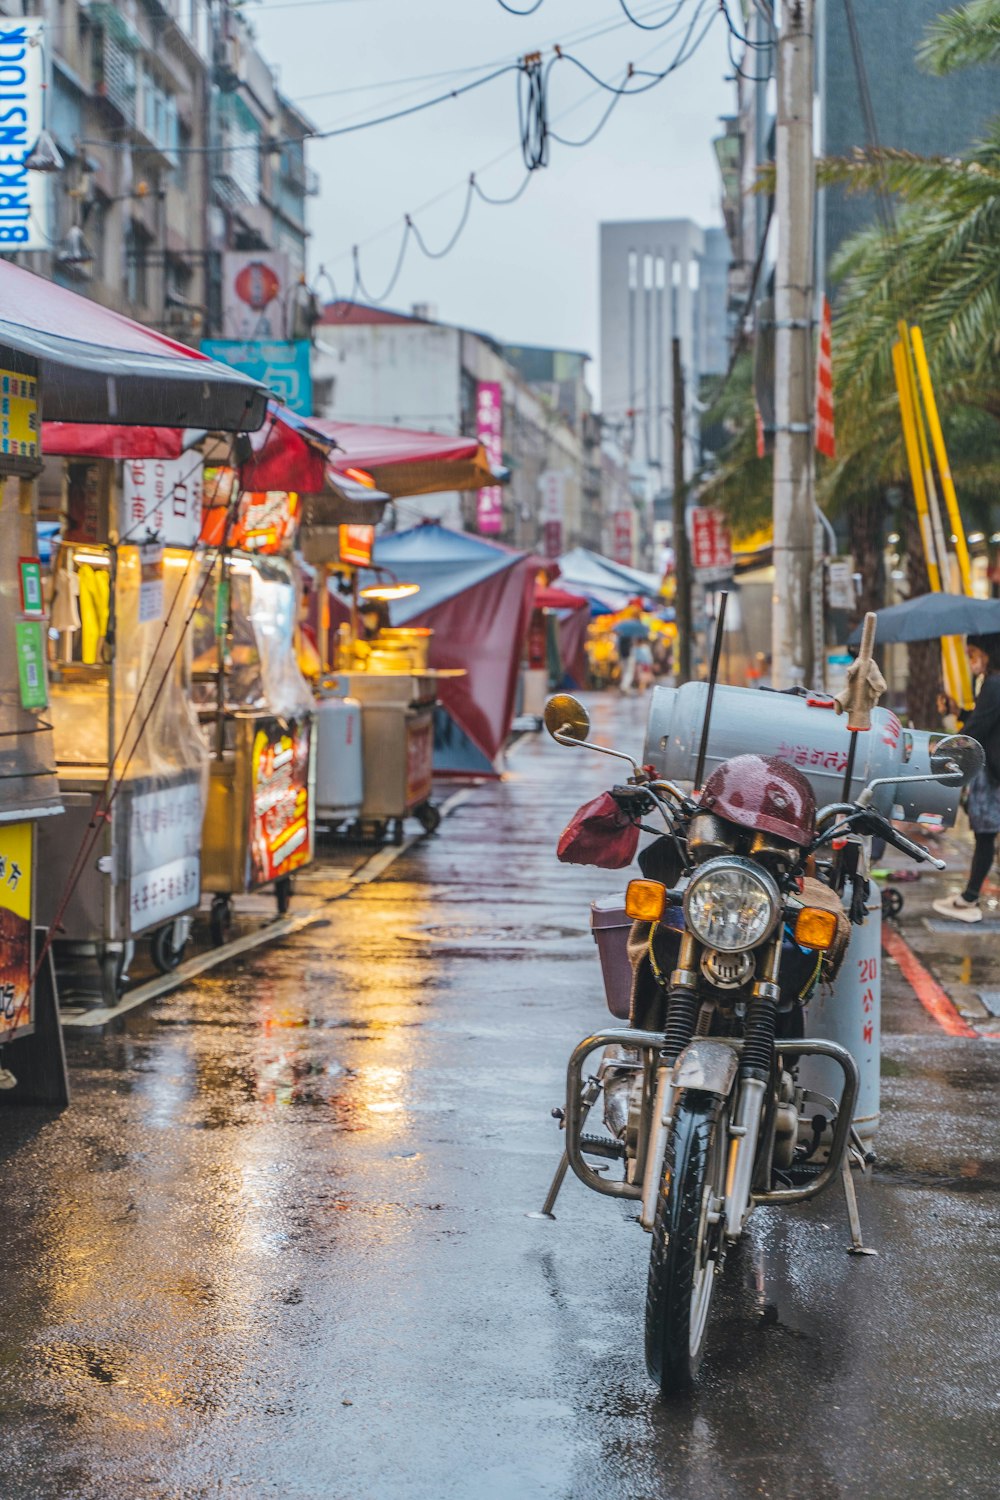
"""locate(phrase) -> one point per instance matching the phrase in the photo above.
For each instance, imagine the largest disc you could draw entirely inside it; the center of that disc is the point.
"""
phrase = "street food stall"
(385, 671)
(368, 663)
(77, 362)
(256, 708)
(476, 597)
(120, 580)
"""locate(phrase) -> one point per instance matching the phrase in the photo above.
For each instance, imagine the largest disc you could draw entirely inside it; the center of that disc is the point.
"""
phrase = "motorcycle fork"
(751, 1094)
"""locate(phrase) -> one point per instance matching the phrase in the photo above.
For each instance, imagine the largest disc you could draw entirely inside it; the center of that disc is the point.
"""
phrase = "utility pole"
(794, 504)
(682, 555)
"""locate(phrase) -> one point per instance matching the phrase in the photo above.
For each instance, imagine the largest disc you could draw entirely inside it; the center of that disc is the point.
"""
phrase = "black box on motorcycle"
(611, 928)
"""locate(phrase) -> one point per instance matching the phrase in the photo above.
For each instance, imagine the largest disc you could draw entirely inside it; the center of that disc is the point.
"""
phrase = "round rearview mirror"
(957, 758)
(566, 716)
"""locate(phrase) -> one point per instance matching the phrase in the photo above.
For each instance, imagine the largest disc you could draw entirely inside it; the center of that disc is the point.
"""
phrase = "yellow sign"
(15, 869)
(15, 929)
(19, 434)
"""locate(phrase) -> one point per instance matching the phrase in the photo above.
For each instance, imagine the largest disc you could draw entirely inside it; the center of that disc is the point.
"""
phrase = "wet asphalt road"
(278, 1245)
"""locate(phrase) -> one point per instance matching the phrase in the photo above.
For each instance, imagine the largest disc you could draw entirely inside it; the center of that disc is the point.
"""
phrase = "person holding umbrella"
(628, 633)
(983, 796)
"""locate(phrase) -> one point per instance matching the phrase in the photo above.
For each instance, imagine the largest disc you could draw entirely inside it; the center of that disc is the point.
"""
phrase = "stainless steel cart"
(141, 879)
(397, 732)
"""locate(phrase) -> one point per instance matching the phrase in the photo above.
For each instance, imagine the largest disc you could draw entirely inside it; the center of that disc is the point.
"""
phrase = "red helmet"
(761, 791)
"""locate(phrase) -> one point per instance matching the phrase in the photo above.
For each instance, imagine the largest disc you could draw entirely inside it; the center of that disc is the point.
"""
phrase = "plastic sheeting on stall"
(264, 674)
(28, 786)
(155, 731)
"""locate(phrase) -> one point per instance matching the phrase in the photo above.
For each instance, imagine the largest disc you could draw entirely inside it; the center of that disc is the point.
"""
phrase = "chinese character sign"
(621, 537)
(163, 496)
(489, 430)
(711, 545)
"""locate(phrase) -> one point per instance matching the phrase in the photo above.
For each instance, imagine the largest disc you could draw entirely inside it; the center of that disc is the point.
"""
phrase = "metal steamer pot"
(807, 733)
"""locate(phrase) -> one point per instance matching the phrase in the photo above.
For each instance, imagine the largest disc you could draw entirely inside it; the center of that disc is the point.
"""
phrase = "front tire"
(687, 1238)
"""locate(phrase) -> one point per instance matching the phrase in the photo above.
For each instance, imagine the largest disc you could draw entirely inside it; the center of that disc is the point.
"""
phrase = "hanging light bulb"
(44, 155)
(75, 250)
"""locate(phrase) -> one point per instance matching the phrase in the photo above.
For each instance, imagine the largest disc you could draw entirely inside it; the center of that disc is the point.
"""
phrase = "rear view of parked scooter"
(746, 905)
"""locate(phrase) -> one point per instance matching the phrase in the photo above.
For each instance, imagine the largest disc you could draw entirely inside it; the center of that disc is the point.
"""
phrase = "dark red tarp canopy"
(404, 462)
(573, 612)
(98, 440)
(548, 597)
(97, 366)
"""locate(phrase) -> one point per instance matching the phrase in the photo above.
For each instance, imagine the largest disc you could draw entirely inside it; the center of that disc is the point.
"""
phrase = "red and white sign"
(711, 544)
(552, 486)
(825, 439)
(162, 495)
(355, 544)
(255, 287)
(489, 431)
(281, 819)
(621, 537)
(552, 543)
(419, 761)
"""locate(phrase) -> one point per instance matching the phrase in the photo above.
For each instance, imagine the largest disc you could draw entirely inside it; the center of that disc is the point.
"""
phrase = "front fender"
(707, 1065)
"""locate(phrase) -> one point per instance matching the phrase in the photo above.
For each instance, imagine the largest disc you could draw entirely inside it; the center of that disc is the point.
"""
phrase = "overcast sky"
(526, 273)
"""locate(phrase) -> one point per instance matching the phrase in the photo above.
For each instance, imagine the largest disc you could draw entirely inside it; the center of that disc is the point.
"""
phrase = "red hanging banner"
(825, 440)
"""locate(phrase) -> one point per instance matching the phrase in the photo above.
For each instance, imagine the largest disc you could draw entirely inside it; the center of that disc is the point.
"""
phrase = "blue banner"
(282, 367)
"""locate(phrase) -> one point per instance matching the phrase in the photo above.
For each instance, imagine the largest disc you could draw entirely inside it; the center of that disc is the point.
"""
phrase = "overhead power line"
(623, 5)
(535, 135)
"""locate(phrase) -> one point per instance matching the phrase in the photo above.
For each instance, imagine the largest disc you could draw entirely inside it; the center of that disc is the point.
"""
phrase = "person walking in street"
(630, 632)
(983, 796)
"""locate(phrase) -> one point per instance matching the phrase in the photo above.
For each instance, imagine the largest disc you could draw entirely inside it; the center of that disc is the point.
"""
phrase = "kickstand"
(857, 1245)
(588, 1097)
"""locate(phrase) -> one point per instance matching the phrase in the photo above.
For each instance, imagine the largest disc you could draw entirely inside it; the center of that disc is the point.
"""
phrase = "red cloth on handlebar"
(599, 833)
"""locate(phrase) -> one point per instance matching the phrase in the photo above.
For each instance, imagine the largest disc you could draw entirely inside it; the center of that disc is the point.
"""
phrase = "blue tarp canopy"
(608, 585)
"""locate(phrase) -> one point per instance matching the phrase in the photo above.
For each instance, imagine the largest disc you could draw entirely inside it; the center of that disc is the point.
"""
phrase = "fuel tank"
(808, 734)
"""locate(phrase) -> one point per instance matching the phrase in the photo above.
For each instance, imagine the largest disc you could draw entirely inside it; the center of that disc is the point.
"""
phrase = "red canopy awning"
(97, 366)
(98, 440)
(551, 598)
(404, 462)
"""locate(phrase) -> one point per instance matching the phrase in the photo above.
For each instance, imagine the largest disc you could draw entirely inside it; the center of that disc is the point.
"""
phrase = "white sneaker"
(958, 909)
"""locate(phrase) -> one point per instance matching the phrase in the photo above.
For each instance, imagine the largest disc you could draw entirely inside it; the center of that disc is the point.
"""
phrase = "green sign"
(30, 643)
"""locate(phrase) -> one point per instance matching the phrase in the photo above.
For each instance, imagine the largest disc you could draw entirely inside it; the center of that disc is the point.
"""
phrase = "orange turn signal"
(815, 928)
(645, 900)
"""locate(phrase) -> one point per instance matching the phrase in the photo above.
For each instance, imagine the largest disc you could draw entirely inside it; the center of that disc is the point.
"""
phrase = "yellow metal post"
(954, 665)
(941, 455)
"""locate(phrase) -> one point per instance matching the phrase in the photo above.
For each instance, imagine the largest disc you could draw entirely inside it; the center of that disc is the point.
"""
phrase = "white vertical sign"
(24, 195)
(163, 496)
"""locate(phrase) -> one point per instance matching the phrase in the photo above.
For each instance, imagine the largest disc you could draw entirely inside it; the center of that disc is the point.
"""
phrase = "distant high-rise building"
(660, 279)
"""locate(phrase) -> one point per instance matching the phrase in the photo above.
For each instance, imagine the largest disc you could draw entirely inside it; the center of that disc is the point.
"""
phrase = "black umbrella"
(931, 616)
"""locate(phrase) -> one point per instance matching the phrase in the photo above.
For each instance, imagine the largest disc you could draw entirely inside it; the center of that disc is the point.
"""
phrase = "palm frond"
(963, 37)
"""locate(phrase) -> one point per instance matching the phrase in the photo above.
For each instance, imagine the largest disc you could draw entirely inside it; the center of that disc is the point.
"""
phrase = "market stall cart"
(77, 362)
(257, 714)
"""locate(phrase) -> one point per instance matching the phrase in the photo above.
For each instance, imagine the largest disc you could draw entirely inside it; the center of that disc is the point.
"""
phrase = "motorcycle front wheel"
(687, 1236)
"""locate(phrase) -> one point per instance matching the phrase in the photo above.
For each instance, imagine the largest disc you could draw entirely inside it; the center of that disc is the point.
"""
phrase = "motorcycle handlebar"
(865, 820)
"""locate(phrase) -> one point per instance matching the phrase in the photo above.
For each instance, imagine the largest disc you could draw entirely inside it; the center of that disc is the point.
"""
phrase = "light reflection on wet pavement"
(278, 1245)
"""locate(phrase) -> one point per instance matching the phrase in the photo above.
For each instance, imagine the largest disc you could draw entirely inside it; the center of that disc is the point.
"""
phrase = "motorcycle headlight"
(731, 904)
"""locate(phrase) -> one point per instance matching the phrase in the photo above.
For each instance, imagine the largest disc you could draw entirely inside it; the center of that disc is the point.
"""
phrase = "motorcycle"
(745, 905)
